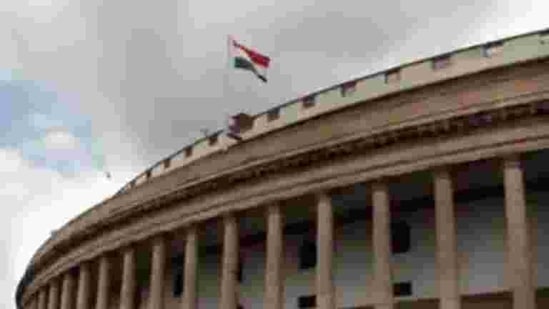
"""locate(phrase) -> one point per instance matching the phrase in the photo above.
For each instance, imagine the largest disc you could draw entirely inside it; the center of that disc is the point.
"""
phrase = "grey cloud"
(150, 73)
(140, 55)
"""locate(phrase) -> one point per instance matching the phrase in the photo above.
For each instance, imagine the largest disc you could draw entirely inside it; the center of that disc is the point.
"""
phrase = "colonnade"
(58, 293)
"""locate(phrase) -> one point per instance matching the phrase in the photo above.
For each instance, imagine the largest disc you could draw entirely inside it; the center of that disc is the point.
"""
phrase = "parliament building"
(422, 186)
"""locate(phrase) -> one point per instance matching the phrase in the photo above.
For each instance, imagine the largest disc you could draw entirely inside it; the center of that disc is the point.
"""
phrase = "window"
(300, 228)
(273, 114)
(392, 76)
(167, 163)
(308, 301)
(177, 284)
(239, 274)
(543, 106)
(309, 101)
(402, 289)
(148, 174)
(348, 88)
(188, 151)
(240, 123)
(212, 140)
(177, 280)
(400, 237)
(492, 49)
(441, 62)
(307, 255)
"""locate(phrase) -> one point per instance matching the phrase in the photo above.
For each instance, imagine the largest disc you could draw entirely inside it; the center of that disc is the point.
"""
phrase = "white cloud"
(60, 139)
(39, 11)
(34, 202)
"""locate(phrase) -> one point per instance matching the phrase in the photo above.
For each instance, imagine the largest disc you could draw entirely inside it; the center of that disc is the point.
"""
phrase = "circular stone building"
(423, 186)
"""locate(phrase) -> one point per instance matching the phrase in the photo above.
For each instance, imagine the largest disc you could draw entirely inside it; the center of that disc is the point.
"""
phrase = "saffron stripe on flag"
(256, 57)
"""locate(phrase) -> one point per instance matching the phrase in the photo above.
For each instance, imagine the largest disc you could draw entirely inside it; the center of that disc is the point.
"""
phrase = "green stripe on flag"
(241, 63)
(245, 64)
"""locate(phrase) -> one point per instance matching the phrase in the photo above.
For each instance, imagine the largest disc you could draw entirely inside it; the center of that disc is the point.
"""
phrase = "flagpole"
(225, 94)
(226, 75)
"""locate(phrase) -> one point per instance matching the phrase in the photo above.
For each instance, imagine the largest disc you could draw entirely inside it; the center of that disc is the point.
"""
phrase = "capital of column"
(512, 161)
(442, 172)
(379, 185)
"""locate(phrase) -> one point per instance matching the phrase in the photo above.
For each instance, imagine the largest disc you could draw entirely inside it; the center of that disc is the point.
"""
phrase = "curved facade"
(423, 186)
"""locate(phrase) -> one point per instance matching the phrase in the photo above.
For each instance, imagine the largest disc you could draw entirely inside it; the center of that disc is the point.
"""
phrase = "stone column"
(103, 283)
(520, 270)
(447, 266)
(156, 300)
(127, 290)
(383, 287)
(67, 291)
(42, 299)
(53, 297)
(274, 258)
(82, 298)
(33, 303)
(190, 268)
(228, 299)
(325, 249)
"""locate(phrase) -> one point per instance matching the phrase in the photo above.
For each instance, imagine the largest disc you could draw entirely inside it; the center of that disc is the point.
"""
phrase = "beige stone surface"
(53, 298)
(229, 266)
(103, 283)
(127, 291)
(190, 266)
(67, 292)
(447, 265)
(274, 290)
(383, 287)
(158, 262)
(325, 294)
(83, 294)
(520, 270)
(42, 299)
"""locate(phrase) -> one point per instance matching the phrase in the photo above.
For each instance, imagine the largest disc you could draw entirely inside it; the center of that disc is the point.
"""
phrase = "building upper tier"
(401, 78)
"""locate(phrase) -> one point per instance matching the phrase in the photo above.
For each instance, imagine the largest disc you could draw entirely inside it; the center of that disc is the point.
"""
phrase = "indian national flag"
(249, 59)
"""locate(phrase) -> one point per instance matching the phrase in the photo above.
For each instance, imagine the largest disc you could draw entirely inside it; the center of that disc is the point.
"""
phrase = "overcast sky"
(92, 86)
